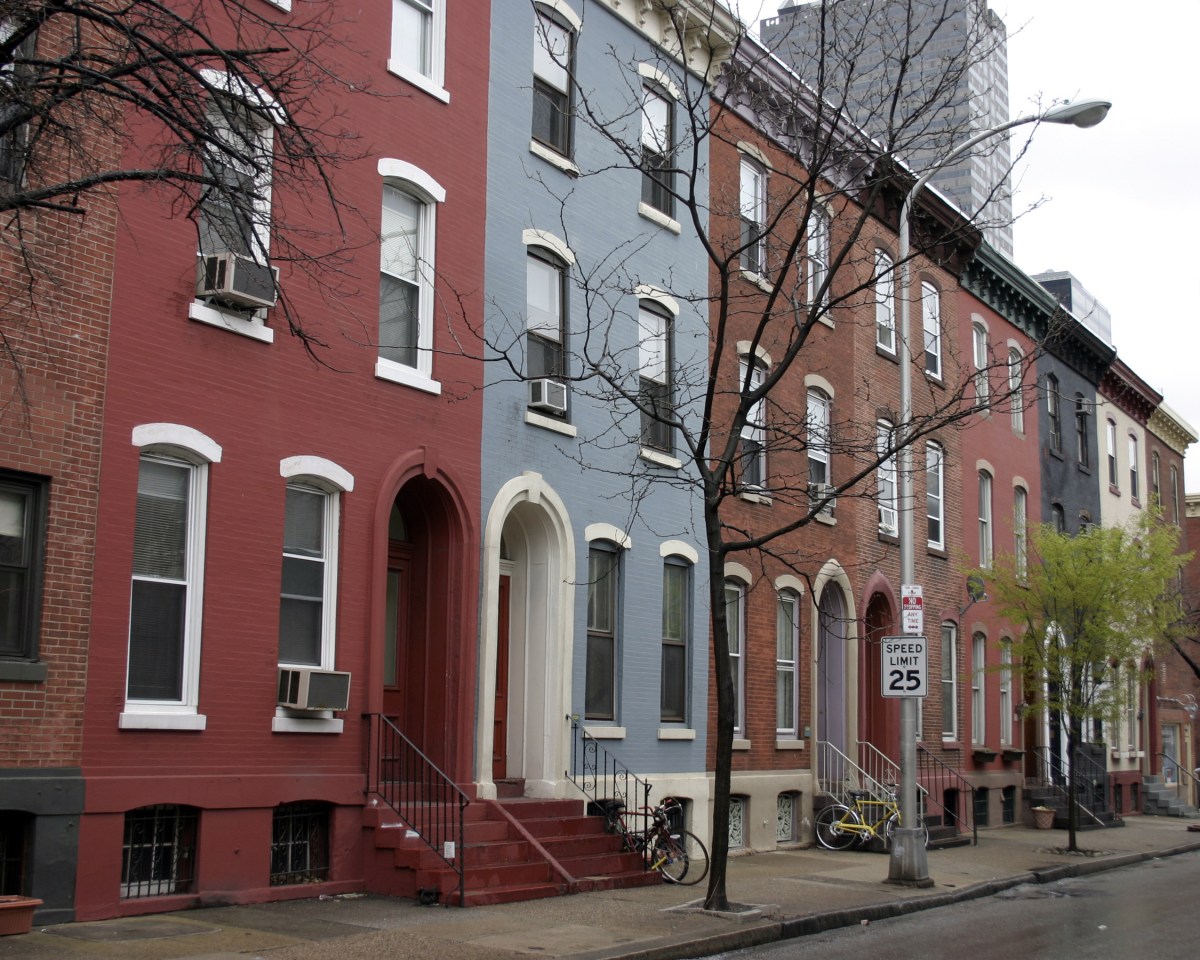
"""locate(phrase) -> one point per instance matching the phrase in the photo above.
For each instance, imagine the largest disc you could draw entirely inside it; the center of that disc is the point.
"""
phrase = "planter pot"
(1043, 818)
(16, 914)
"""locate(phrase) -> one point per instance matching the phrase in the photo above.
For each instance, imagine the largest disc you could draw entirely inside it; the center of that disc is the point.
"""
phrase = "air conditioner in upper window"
(546, 394)
(303, 688)
(818, 492)
(236, 280)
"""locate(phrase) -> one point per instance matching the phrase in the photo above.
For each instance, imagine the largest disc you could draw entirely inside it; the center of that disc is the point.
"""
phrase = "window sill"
(658, 217)
(789, 744)
(549, 423)
(882, 351)
(605, 733)
(889, 536)
(418, 80)
(232, 321)
(285, 5)
(659, 458)
(933, 551)
(323, 722)
(826, 319)
(553, 158)
(406, 376)
(935, 380)
(825, 517)
(763, 284)
(1084, 469)
(950, 743)
(676, 733)
(23, 671)
(1056, 454)
(739, 744)
(161, 721)
(751, 497)
(1115, 491)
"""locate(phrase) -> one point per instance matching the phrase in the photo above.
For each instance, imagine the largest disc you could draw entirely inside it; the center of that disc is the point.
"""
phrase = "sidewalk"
(795, 892)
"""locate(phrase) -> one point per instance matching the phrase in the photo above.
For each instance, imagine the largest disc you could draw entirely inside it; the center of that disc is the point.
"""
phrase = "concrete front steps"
(1162, 800)
(1039, 796)
(515, 849)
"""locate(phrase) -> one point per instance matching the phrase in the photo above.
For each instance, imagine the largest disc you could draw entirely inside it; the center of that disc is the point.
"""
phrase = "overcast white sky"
(1122, 198)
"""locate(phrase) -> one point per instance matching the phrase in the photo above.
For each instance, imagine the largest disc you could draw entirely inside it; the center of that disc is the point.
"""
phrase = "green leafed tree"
(1090, 612)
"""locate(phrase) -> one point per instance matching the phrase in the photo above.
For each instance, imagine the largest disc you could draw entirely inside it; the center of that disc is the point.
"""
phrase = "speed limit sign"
(905, 670)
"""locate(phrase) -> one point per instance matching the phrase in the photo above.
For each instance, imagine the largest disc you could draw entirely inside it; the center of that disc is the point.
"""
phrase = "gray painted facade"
(556, 486)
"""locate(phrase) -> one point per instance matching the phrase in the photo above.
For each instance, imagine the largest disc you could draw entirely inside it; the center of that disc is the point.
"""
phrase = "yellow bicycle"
(840, 827)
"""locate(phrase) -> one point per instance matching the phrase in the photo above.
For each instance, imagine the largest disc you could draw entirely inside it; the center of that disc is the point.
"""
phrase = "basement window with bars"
(299, 844)
(14, 839)
(158, 853)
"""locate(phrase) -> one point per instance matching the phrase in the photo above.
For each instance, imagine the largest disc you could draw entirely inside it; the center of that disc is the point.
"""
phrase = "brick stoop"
(515, 849)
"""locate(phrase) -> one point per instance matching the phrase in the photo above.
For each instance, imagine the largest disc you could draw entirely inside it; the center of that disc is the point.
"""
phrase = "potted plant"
(16, 914)
(1043, 817)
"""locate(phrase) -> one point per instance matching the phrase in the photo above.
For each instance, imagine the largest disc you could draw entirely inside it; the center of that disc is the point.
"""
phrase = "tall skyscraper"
(919, 76)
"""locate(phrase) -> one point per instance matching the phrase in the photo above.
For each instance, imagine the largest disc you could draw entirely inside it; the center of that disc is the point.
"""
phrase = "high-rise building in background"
(957, 54)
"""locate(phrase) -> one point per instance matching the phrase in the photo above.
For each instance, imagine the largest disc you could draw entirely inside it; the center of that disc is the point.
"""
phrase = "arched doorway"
(423, 646)
(881, 715)
(831, 668)
(529, 572)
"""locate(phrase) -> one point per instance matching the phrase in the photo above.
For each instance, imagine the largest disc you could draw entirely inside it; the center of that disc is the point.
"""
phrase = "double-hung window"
(818, 415)
(978, 709)
(985, 519)
(307, 603)
(1112, 455)
(1015, 395)
(1054, 413)
(1021, 531)
(949, 681)
(545, 317)
(676, 624)
(753, 452)
(13, 77)
(885, 302)
(658, 145)
(407, 241)
(818, 257)
(600, 684)
(22, 540)
(735, 624)
(935, 495)
(235, 202)
(931, 318)
(753, 238)
(1006, 701)
(979, 351)
(1135, 490)
(1082, 451)
(885, 478)
(787, 659)
(655, 388)
(418, 44)
(553, 67)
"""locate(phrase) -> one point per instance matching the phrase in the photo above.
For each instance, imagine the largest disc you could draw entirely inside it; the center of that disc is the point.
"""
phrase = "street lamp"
(908, 860)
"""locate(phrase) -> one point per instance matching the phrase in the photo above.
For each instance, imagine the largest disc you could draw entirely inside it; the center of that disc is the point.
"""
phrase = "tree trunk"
(716, 897)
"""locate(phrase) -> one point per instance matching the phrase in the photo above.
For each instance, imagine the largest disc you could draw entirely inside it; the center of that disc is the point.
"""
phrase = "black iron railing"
(424, 797)
(948, 793)
(603, 779)
(1187, 783)
(1090, 778)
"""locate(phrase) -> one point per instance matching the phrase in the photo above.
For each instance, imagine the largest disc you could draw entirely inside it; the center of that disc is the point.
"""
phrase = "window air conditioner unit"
(236, 280)
(302, 688)
(546, 394)
(817, 492)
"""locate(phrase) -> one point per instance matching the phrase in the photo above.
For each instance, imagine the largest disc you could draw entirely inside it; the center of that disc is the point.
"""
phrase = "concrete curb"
(775, 931)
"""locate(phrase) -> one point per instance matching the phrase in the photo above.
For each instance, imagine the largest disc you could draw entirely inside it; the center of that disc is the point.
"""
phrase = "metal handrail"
(837, 774)
(1053, 774)
(421, 794)
(934, 771)
(1193, 781)
(601, 777)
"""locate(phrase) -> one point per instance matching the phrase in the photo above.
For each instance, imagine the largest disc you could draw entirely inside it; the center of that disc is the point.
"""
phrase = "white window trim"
(887, 469)
(987, 536)
(739, 720)
(655, 215)
(1016, 378)
(329, 535)
(551, 242)
(885, 300)
(818, 252)
(978, 689)
(950, 731)
(535, 419)
(435, 83)
(755, 426)
(979, 354)
(185, 444)
(554, 158)
(936, 449)
(253, 325)
(659, 459)
(931, 294)
(1006, 704)
(607, 531)
(790, 733)
(426, 190)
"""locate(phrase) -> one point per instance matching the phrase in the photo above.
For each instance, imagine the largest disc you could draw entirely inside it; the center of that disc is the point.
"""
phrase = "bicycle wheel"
(670, 858)
(894, 822)
(697, 857)
(830, 832)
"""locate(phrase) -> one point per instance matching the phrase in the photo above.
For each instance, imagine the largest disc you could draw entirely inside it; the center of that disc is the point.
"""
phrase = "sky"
(1115, 204)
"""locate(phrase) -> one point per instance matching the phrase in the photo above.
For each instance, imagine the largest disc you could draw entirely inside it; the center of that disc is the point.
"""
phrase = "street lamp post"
(909, 863)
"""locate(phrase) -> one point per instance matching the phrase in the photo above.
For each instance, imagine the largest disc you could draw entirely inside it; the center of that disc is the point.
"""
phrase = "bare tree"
(208, 104)
(783, 268)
